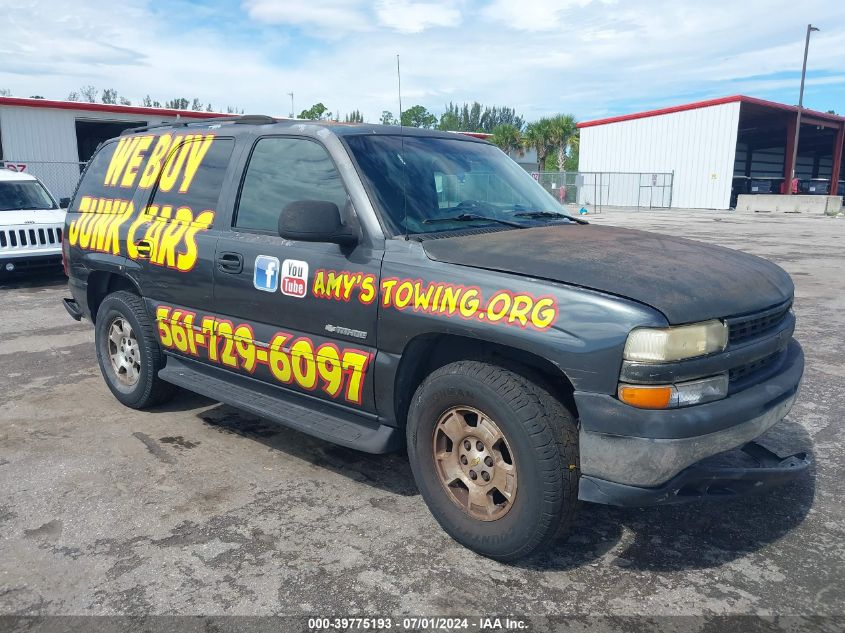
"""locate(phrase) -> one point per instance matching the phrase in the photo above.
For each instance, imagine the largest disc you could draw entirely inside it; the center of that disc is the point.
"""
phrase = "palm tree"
(537, 135)
(561, 130)
(507, 138)
(574, 146)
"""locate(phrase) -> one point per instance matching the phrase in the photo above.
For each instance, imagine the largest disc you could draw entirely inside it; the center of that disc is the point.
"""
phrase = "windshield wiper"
(549, 214)
(473, 217)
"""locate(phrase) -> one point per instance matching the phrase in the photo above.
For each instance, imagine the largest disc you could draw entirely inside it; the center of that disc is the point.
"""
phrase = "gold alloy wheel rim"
(124, 352)
(474, 463)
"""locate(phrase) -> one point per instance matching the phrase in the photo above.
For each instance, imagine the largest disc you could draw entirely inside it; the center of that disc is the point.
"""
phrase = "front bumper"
(20, 263)
(661, 445)
(702, 480)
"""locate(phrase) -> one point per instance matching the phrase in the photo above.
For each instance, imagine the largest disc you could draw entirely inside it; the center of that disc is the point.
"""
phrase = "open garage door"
(90, 133)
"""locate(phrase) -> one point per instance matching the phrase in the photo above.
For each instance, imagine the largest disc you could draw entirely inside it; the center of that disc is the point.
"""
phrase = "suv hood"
(28, 216)
(686, 280)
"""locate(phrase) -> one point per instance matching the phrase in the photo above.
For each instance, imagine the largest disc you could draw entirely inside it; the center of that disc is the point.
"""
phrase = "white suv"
(31, 224)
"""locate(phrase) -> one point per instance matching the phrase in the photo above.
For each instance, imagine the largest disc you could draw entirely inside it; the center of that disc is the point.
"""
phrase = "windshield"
(24, 194)
(448, 184)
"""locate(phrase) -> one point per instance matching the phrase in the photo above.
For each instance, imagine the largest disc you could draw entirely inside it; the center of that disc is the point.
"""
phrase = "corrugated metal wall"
(45, 140)
(698, 145)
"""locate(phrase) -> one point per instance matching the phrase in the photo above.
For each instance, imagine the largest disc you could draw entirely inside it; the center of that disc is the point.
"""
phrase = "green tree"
(5, 92)
(73, 95)
(317, 112)
(89, 93)
(539, 136)
(196, 105)
(148, 103)
(180, 103)
(561, 129)
(418, 116)
(109, 96)
(508, 138)
(387, 118)
(354, 117)
(449, 121)
(475, 117)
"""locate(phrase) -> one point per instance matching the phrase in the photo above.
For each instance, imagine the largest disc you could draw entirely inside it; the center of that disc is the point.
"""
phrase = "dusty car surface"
(379, 287)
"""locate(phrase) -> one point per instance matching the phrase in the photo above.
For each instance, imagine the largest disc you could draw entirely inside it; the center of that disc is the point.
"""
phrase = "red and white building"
(718, 149)
(51, 138)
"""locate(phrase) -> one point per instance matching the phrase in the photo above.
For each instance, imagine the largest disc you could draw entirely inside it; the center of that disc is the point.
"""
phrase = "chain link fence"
(60, 177)
(594, 190)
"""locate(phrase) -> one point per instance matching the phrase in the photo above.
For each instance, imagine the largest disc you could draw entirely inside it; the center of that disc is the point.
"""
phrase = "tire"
(540, 440)
(143, 352)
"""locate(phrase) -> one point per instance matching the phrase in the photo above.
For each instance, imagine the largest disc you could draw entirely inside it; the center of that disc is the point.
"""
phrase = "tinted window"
(95, 175)
(25, 194)
(420, 184)
(281, 171)
(207, 182)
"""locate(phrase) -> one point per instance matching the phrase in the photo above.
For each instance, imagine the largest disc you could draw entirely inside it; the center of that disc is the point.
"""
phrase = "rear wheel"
(128, 352)
(495, 458)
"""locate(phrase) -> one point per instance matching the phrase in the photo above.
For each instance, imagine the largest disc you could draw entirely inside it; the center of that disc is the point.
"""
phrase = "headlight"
(660, 345)
(682, 394)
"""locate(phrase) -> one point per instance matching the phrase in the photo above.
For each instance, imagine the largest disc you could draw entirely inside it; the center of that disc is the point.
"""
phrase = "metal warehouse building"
(710, 152)
(54, 139)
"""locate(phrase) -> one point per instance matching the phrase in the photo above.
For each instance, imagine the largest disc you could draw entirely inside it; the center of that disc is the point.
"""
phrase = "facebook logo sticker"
(266, 274)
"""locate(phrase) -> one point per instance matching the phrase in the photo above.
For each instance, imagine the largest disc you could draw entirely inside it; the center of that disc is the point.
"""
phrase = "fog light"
(10, 267)
(682, 394)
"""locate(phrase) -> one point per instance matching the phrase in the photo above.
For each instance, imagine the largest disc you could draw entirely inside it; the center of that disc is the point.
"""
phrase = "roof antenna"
(402, 153)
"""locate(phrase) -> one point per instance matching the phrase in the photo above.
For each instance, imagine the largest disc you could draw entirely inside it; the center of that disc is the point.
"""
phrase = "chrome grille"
(747, 327)
(15, 238)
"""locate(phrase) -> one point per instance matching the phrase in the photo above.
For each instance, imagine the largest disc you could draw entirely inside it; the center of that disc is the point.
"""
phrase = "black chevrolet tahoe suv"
(378, 287)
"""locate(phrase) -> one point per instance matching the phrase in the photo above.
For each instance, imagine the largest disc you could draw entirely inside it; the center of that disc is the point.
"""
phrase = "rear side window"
(93, 179)
(281, 171)
(172, 163)
(203, 190)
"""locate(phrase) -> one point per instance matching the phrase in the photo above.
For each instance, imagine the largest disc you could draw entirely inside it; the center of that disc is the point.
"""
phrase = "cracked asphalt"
(196, 508)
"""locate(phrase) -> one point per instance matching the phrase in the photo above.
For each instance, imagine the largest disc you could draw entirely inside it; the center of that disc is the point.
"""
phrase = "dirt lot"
(197, 508)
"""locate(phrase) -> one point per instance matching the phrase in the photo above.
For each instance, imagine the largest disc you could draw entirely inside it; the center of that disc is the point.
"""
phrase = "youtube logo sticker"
(294, 278)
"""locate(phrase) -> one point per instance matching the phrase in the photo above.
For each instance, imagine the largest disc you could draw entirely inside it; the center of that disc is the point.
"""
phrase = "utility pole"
(810, 29)
(291, 103)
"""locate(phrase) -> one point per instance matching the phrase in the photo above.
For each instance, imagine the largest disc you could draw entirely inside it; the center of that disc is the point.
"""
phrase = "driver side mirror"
(315, 221)
(64, 203)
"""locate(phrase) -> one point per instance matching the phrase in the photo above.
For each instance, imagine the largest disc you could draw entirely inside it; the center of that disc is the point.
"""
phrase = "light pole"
(810, 29)
(291, 100)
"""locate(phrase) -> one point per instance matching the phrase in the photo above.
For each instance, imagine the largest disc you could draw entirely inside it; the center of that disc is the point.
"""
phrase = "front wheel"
(495, 457)
(128, 352)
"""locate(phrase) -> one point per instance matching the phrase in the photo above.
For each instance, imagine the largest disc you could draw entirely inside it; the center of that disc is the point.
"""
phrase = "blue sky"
(593, 58)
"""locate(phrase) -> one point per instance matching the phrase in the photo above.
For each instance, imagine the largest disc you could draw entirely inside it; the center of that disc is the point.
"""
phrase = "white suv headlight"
(660, 345)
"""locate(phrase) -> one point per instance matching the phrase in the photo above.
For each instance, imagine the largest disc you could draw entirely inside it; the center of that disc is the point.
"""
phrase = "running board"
(289, 409)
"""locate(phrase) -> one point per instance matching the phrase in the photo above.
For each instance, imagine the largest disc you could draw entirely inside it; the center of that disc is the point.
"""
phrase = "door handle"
(144, 248)
(232, 263)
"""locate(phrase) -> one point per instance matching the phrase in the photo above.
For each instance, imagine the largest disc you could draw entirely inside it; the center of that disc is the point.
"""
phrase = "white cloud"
(531, 15)
(638, 54)
(414, 17)
(330, 18)
(332, 15)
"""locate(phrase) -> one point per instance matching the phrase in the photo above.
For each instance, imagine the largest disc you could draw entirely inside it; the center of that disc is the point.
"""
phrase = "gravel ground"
(196, 508)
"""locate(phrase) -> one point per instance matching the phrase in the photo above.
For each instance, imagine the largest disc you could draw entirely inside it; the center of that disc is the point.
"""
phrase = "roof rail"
(255, 119)
(246, 119)
(144, 128)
